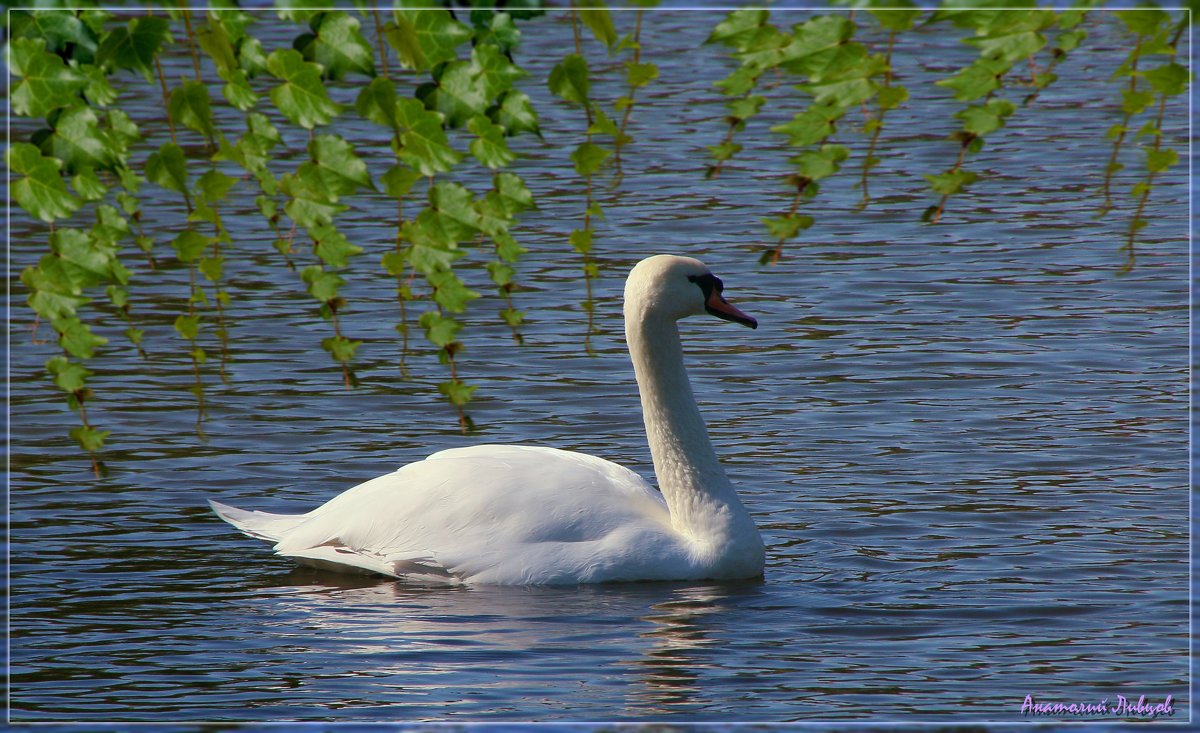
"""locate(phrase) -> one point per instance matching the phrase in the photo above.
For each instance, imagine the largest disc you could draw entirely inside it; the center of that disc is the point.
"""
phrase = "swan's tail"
(264, 526)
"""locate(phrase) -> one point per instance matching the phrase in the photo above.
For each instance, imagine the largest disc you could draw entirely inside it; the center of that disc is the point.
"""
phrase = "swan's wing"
(538, 513)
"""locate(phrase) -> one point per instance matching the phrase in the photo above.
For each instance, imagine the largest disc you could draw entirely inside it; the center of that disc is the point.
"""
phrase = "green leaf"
(1144, 21)
(1169, 79)
(98, 90)
(1009, 47)
(788, 226)
(810, 126)
(377, 103)
(892, 97)
(301, 97)
(332, 246)
(69, 376)
(399, 180)
(951, 182)
(189, 245)
(46, 82)
(440, 330)
(490, 147)
(452, 210)
(739, 28)
(187, 327)
(89, 186)
(581, 240)
(338, 167)
(76, 338)
(189, 106)
(515, 114)
(41, 190)
(740, 82)
(458, 93)
(425, 146)
(89, 438)
(53, 295)
(425, 38)
(239, 92)
(135, 45)
(724, 151)
(977, 79)
(599, 21)
(588, 158)
(168, 168)
(214, 185)
(449, 291)
(61, 29)
(494, 72)
(338, 45)
(211, 267)
(1135, 102)
(1158, 161)
(512, 193)
(981, 120)
(896, 18)
(569, 79)
(340, 348)
(638, 75)
(84, 260)
(457, 391)
(322, 285)
(822, 163)
(745, 107)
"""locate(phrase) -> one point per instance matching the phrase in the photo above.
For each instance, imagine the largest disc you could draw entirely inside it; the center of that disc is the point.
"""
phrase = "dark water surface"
(965, 444)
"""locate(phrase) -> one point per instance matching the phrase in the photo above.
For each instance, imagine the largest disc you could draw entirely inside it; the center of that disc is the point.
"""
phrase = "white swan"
(517, 515)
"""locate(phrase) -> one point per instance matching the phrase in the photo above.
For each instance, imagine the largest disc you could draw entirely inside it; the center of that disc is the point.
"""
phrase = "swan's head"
(669, 286)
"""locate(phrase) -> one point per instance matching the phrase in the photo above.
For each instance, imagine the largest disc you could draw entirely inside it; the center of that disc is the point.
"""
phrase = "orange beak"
(726, 311)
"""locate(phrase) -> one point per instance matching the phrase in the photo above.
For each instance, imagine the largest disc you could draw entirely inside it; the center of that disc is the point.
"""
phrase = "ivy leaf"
(52, 293)
(301, 97)
(332, 246)
(239, 92)
(569, 79)
(458, 93)
(189, 245)
(78, 140)
(168, 168)
(85, 261)
(638, 75)
(41, 191)
(311, 204)
(88, 185)
(951, 182)
(187, 327)
(97, 89)
(457, 391)
(46, 82)
(588, 158)
(892, 97)
(322, 285)
(214, 185)
(211, 267)
(810, 126)
(976, 79)
(896, 19)
(822, 163)
(1158, 161)
(450, 292)
(69, 376)
(489, 147)
(135, 45)
(425, 38)
(513, 193)
(581, 240)
(787, 227)
(425, 146)
(515, 114)
(399, 180)
(340, 348)
(338, 45)
(189, 106)
(440, 330)
(340, 169)
(1143, 21)
(377, 103)
(739, 28)
(1169, 79)
(89, 438)
(454, 207)
(980, 120)
(59, 28)
(76, 338)
(494, 71)
(1009, 47)
(599, 21)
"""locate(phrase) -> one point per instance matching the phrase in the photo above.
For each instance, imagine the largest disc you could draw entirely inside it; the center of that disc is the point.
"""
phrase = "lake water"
(966, 445)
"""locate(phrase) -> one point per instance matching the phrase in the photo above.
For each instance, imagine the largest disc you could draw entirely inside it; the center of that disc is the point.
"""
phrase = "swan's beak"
(723, 309)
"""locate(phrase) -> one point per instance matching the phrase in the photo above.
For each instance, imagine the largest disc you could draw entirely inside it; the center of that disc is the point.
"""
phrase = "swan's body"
(515, 515)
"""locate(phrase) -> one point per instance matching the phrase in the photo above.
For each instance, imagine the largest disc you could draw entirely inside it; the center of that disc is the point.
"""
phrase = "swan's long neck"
(702, 501)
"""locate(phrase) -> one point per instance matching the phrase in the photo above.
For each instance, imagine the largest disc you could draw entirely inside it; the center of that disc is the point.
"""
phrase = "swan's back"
(487, 514)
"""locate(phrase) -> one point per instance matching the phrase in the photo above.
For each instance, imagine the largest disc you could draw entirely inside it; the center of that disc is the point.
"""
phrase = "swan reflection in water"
(429, 649)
